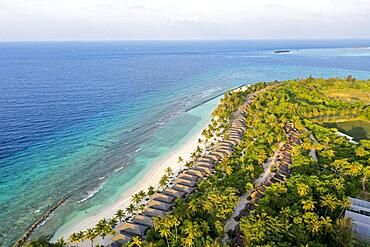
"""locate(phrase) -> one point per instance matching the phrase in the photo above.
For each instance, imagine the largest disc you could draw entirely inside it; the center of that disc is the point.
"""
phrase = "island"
(269, 170)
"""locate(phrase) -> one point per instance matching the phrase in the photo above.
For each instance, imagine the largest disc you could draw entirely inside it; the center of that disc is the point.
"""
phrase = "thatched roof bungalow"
(195, 173)
(159, 205)
(185, 182)
(174, 193)
(187, 177)
(132, 229)
(183, 188)
(207, 159)
(143, 220)
(120, 239)
(203, 169)
(163, 198)
(151, 212)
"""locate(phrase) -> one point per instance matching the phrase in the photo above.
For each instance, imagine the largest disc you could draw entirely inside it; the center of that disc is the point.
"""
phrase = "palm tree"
(329, 201)
(61, 242)
(75, 238)
(120, 214)
(180, 161)
(136, 198)
(113, 222)
(163, 181)
(91, 234)
(136, 242)
(151, 190)
(142, 194)
(131, 208)
(169, 171)
(141, 208)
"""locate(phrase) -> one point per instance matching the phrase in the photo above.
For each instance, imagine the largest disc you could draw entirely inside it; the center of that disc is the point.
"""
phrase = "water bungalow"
(163, 198)
(132, 229)
(159, 205)
(183, 188)
(151, 212)
(143, 220)
(174, 193)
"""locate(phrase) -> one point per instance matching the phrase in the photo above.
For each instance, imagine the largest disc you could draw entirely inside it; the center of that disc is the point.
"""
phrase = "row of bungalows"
(159, 205)
(283, 160)
(184, 184)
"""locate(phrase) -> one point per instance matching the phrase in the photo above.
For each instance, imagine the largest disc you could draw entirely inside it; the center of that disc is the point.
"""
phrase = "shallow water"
(89, 119)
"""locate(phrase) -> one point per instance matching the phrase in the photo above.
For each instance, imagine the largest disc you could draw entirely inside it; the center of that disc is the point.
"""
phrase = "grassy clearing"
(349, 94)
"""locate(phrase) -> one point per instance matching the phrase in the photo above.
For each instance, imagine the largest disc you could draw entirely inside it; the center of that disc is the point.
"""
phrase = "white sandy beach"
(150, 179)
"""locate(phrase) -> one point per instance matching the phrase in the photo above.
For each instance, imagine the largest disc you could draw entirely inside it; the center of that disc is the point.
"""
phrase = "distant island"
(266, 170)
(281, 51)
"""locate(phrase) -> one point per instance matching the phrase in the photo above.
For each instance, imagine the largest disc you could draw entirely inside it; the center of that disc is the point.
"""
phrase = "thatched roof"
(132, 229)
(203, 169)
(195, 173)
(162, 198)
(205, 164)
(211, 166)
(159, 205)
(172, 192)
(207, 159)
(187, 177)
(143, 220)
(183, 188)
(120, 239)
(185, 182)
(151, 212)
(215, 156)
(222, 154)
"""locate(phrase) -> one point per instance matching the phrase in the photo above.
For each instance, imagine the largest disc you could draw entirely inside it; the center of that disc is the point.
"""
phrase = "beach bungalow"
(183, 188)
(215, 156)
(210, 166)
(226, 151)
(231, 142)
(195, 173)
(159, 205)
(187, 177)
(174, 193)
(222, 154)
(162, 198)
(207, 159)
(120, 239)
(151, 212)
(207, 164)
(203, 169)
(225, 146)
(185, 182)
(143, 220)
(132, 229)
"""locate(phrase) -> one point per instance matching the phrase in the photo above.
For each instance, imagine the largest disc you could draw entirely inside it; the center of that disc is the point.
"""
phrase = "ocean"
(88, 119)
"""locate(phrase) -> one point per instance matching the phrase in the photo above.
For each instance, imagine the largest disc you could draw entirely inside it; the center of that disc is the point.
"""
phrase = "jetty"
(42, 219)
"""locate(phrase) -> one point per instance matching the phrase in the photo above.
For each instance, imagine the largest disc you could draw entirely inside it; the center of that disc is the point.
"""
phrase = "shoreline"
(151, 178)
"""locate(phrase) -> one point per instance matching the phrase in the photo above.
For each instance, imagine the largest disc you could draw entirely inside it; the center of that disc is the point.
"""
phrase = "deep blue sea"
(88, 119)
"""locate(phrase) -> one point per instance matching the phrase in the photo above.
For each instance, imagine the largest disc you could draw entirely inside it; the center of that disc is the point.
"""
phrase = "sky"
(27, 20)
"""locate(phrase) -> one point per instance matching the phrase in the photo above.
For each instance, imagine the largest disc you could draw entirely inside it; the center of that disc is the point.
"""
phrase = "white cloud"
(182, 19)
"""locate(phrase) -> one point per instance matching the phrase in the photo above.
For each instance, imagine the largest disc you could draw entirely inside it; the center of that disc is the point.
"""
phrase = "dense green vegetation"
(306, 210)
